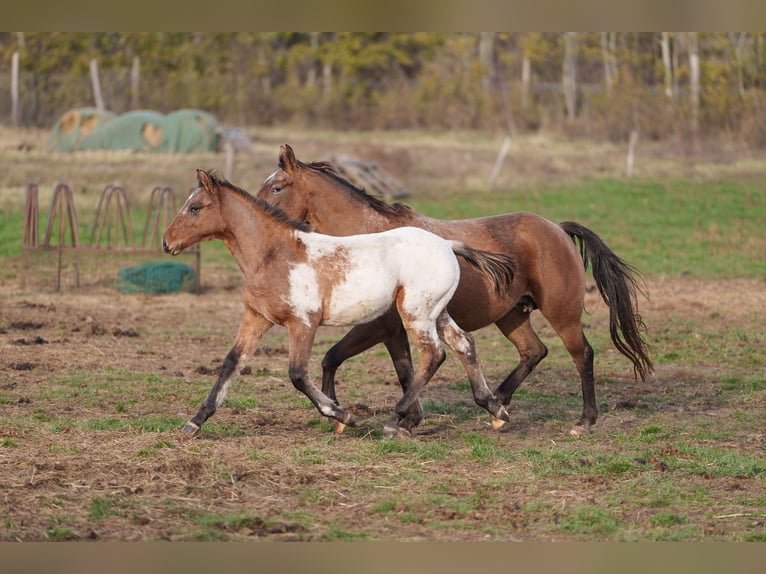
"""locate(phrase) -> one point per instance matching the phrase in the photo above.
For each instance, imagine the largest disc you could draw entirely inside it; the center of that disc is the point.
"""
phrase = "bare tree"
(487, 58)
(570, 75)
(608, 48)
(526, 73)
(311, 74)
(666, 62)
(739, 41)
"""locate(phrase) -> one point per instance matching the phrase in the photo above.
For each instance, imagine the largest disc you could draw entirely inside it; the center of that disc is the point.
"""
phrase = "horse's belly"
(354, 304)
(353, 312)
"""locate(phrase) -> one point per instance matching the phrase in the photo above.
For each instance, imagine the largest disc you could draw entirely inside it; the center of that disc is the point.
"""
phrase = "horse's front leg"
(300, 339)
(251, 329)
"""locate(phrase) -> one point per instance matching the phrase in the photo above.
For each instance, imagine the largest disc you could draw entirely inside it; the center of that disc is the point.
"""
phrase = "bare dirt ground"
(85, 376)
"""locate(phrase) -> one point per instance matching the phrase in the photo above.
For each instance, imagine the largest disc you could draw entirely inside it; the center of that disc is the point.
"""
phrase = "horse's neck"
(249, 236)
(335, 218)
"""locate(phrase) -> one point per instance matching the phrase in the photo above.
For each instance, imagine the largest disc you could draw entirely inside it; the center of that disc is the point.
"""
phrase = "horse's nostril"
(165, 245)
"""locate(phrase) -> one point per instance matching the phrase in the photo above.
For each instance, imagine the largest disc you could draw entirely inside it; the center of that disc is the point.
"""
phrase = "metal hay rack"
(112, 240)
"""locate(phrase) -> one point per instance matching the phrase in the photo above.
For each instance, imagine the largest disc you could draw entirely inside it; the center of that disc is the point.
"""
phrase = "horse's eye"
(194, 209)
(277, 189)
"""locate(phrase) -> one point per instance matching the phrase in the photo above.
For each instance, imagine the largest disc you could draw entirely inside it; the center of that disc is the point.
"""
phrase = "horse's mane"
(328, 168)
(271, 210)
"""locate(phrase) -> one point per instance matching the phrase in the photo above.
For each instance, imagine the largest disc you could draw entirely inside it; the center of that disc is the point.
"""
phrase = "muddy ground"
(95, 386)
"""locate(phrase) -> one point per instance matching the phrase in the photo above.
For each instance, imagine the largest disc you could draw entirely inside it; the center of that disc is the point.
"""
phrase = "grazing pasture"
(95, 385)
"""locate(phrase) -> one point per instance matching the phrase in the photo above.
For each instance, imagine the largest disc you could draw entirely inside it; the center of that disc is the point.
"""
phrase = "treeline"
(602, 85)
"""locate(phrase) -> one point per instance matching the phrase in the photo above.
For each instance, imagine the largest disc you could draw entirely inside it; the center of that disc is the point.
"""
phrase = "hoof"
(390, 428)
(190, 429)
(578, 431)
(498, 411)
(348, 419)
(497, 423)
(338, 426)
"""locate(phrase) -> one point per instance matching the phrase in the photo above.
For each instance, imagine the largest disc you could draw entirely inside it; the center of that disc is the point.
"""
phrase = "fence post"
(15, 90)
(135, 74)
(96, 85)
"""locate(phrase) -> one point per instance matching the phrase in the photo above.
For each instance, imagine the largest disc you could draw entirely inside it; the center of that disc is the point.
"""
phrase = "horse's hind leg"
(462, 344)
(518, 330)
(575, 342)
(251, 329)
(390, 331)
(408, 413)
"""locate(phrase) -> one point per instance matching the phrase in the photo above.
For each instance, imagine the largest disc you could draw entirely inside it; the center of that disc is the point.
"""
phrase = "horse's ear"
(287, 159)
(204, 180)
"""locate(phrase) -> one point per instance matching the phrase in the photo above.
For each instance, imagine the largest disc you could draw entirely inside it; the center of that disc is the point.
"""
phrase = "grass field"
(95, 385)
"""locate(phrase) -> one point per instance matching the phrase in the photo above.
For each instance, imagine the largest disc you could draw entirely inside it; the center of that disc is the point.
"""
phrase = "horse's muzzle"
(166, 247)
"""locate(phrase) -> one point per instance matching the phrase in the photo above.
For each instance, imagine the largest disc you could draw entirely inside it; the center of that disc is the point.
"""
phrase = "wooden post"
(500, 159)
(15, 89)
(31, 233)
(134, 79)
(694, 82)
(631, 152)
(229, 154)
(96, 85)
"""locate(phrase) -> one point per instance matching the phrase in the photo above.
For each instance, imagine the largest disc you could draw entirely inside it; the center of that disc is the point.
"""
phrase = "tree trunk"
(665, 44)
(311, 73)
(570, 76)
(487, 58)
(526, 73)
(739, 40)
(265, 78)
(608, 42)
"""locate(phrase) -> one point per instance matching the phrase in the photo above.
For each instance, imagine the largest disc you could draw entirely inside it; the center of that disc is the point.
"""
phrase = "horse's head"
(291, 187)
(199, 219)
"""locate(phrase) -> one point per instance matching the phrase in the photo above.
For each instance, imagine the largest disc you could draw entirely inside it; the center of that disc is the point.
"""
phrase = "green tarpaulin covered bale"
(190, 131)
(139, 130)
(75, 125)
(182, 131)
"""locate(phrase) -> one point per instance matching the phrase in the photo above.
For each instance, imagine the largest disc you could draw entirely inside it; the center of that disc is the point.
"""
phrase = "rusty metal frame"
(112, 217)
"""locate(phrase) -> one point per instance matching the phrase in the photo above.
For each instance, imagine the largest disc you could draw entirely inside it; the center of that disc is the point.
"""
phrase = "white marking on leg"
(327, 411)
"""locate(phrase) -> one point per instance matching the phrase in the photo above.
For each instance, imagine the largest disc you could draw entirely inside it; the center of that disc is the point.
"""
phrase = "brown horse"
(302, 279)
(550, 277)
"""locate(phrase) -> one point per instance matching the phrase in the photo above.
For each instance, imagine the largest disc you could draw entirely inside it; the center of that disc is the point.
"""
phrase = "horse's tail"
(618, 282)
(498, 267)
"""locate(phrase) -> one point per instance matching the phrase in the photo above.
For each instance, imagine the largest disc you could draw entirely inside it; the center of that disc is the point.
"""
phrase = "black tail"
(618, 282)
(498, 267)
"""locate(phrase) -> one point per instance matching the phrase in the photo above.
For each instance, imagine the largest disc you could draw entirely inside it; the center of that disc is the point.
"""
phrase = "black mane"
(387, 209)
(271, 210)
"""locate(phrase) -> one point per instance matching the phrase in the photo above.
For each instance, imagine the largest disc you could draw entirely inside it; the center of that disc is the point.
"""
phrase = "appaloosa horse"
(302, 279)
(550, 277)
